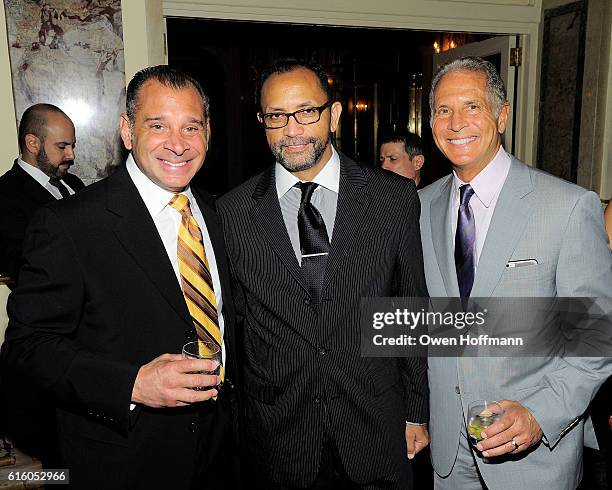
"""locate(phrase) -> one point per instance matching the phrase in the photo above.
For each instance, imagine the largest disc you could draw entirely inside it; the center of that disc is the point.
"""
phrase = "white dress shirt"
(324, 198)
(167, 221)
(43, 179)
(487, 185)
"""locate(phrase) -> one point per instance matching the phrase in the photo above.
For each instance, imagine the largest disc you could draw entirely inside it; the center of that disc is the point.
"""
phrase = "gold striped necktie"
(196, 279)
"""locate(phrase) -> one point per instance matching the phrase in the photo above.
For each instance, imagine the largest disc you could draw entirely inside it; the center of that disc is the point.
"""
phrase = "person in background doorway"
(402, 152)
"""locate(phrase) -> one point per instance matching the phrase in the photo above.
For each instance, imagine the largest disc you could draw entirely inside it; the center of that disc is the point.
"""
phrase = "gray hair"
(495, 88)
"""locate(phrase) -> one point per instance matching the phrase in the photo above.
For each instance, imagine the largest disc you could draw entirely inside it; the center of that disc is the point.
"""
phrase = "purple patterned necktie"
(464, 242)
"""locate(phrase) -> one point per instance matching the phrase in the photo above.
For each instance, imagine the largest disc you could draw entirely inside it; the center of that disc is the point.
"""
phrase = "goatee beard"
(310, 157)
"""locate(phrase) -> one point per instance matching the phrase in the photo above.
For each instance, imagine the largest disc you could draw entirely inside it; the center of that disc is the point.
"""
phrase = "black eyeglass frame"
(320, 109)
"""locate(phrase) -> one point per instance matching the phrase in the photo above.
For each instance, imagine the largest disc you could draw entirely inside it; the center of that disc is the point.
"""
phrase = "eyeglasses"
(277, 120)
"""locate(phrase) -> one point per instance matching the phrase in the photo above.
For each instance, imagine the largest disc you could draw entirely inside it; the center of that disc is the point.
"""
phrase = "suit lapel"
(214, 229)
(352, 205)
(441, 231)
(137, 233)
(31, 187)
(507, 224)
(268, 219)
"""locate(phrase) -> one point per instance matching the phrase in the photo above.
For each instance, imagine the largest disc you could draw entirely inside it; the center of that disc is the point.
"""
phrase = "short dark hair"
(166, 76)
(285, 65)
(495, 88)
(413, 144)
(34, 121)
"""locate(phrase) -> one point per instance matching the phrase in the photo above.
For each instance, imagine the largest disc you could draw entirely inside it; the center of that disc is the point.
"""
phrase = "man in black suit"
(40, 176)
(104, 306)
(46, 143)
(307, 239)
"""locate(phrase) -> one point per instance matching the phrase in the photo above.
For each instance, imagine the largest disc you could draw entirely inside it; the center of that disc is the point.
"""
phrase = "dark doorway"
(381, 76)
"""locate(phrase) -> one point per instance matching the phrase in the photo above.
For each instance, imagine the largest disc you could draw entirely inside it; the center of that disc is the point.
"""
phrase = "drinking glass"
(481, 414)
(202, 349)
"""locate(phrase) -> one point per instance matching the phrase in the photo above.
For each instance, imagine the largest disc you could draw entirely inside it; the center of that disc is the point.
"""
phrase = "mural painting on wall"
(70, 53)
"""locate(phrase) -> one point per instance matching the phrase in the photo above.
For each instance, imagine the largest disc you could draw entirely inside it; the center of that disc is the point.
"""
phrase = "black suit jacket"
(302, 359)
(97, 299)
(20, 197)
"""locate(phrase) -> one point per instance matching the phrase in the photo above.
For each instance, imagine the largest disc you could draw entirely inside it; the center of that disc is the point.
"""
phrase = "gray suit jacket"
(559, 224)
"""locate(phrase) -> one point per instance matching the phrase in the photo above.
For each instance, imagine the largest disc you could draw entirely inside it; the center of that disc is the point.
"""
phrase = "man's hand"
(166, 381)
(516, 431)
(417, 437)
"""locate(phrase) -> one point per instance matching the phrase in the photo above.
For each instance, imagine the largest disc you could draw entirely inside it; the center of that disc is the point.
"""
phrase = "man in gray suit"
(498, 228)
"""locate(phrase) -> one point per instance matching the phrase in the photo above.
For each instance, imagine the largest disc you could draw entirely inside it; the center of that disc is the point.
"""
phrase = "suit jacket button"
(317, 400)
(457, 390)
(193, 427)
(190, 334)
(322, 351)
(307, 301)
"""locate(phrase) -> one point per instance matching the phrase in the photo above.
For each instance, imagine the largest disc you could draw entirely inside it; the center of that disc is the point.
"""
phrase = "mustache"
(298, 140)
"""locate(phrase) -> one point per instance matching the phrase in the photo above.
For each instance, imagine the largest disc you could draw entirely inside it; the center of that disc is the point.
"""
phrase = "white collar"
(154, 197)
(37, 174)
(328, 177)
(489, 180)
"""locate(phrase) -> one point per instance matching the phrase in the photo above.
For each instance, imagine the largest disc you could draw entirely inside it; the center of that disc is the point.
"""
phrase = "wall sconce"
(436, 47)
(361, 106)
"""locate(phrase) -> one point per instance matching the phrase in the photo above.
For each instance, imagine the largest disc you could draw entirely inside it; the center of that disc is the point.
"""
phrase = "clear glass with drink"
(482, 414)
(202, 349)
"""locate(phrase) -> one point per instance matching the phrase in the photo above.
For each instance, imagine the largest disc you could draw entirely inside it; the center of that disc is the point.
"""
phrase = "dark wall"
(227, 57)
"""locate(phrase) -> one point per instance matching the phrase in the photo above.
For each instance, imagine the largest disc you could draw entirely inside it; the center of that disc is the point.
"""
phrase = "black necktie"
(314, 242)
(56, 182)
(464, 242)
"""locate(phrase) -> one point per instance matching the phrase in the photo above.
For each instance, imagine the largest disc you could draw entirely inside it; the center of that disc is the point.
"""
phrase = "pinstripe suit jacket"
(301, 359)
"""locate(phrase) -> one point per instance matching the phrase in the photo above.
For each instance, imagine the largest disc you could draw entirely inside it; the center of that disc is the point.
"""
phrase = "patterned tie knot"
(180, 202)
(307, 189)
(466, 194)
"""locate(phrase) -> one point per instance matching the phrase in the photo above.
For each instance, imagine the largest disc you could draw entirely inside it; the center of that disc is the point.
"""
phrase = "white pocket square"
(521, 263)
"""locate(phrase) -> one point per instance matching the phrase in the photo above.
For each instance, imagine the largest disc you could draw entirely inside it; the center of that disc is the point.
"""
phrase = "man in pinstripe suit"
(316, 413)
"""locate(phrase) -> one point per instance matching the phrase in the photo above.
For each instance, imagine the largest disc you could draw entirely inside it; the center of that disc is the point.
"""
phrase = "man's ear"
(336, 110)
(418, 161)
(32, 143)
(502, 120)
(126, 131)
(207, 137)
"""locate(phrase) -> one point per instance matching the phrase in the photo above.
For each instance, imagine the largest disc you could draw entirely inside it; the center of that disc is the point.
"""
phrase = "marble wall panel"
(70, 53)
(561, 89)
